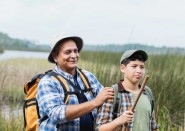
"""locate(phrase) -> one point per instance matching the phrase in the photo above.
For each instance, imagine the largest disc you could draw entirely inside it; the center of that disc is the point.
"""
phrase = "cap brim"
(77, 40)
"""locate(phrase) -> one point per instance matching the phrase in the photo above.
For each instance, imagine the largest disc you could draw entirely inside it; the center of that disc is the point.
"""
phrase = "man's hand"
(105, 93)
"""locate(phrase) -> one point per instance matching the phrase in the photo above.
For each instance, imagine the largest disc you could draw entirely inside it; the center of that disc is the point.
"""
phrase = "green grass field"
(166, 80)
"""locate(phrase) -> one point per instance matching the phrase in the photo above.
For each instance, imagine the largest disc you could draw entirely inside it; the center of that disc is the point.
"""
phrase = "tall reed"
(12, 123)
(166, 73)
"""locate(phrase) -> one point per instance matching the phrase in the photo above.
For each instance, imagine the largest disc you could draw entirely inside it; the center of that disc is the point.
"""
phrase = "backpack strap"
(150, 96)
(117, 101)
(77, 91)
(85, 81)
(63, 83)
(65, 86)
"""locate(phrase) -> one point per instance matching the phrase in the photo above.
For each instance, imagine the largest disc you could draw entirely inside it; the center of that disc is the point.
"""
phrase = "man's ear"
(54, 57)
(55, 60)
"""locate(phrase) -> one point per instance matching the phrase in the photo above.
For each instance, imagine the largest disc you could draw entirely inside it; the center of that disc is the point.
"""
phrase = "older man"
(80, 112)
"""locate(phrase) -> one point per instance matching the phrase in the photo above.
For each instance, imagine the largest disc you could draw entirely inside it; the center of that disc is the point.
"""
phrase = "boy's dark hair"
(133, 57)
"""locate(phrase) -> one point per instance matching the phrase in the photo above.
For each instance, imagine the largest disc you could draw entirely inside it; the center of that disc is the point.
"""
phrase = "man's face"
(67, 58)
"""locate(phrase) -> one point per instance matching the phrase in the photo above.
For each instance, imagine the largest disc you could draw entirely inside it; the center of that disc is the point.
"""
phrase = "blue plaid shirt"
(50, 96)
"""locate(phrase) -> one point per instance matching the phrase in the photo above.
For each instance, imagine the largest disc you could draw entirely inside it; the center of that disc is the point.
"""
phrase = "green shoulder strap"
(150, 96)
(117, 101)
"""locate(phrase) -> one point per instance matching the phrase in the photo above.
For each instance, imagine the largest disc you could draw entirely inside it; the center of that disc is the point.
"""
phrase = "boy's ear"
(122, 68)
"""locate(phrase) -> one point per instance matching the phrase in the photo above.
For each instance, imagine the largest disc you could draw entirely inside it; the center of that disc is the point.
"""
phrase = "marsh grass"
(14, 74)
(1, 50)
(168, 85)
(11, 124)
(166, 80)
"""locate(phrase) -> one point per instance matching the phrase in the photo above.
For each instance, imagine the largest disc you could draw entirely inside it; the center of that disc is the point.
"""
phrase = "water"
(5, 110)
(23, 54)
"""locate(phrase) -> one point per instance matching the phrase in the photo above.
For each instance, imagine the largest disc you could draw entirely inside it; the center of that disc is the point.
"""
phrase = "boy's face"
(133, 71)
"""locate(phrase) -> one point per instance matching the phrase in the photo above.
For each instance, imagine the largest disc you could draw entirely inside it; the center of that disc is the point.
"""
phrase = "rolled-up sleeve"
(51, 100)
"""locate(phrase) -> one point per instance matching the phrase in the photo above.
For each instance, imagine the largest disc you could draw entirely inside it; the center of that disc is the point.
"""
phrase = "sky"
(151, 22)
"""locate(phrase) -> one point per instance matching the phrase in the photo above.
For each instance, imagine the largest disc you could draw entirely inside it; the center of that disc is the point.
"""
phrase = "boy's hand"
(126, 117)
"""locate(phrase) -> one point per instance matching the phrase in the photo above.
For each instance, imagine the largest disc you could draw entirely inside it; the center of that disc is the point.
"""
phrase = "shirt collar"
(121, 88)
(65, 74)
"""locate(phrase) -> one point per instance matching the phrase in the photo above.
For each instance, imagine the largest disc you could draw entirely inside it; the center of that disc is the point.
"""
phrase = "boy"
(132, 65)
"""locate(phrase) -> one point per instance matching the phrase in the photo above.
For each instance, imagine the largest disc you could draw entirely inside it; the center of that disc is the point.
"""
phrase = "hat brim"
(77, 40)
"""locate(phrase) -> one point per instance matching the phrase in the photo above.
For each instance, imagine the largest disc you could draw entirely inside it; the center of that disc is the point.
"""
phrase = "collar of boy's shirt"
(121, 88)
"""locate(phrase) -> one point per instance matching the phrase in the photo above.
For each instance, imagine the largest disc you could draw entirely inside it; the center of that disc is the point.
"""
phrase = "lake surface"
(23, 54)
(5, 110)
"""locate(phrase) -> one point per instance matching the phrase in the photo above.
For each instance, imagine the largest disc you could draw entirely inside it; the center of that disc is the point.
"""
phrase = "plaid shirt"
(105, 112)
(50, 96)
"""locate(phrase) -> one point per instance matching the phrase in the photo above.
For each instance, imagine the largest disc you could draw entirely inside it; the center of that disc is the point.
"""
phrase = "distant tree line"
(129, 46)
(8, 43)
